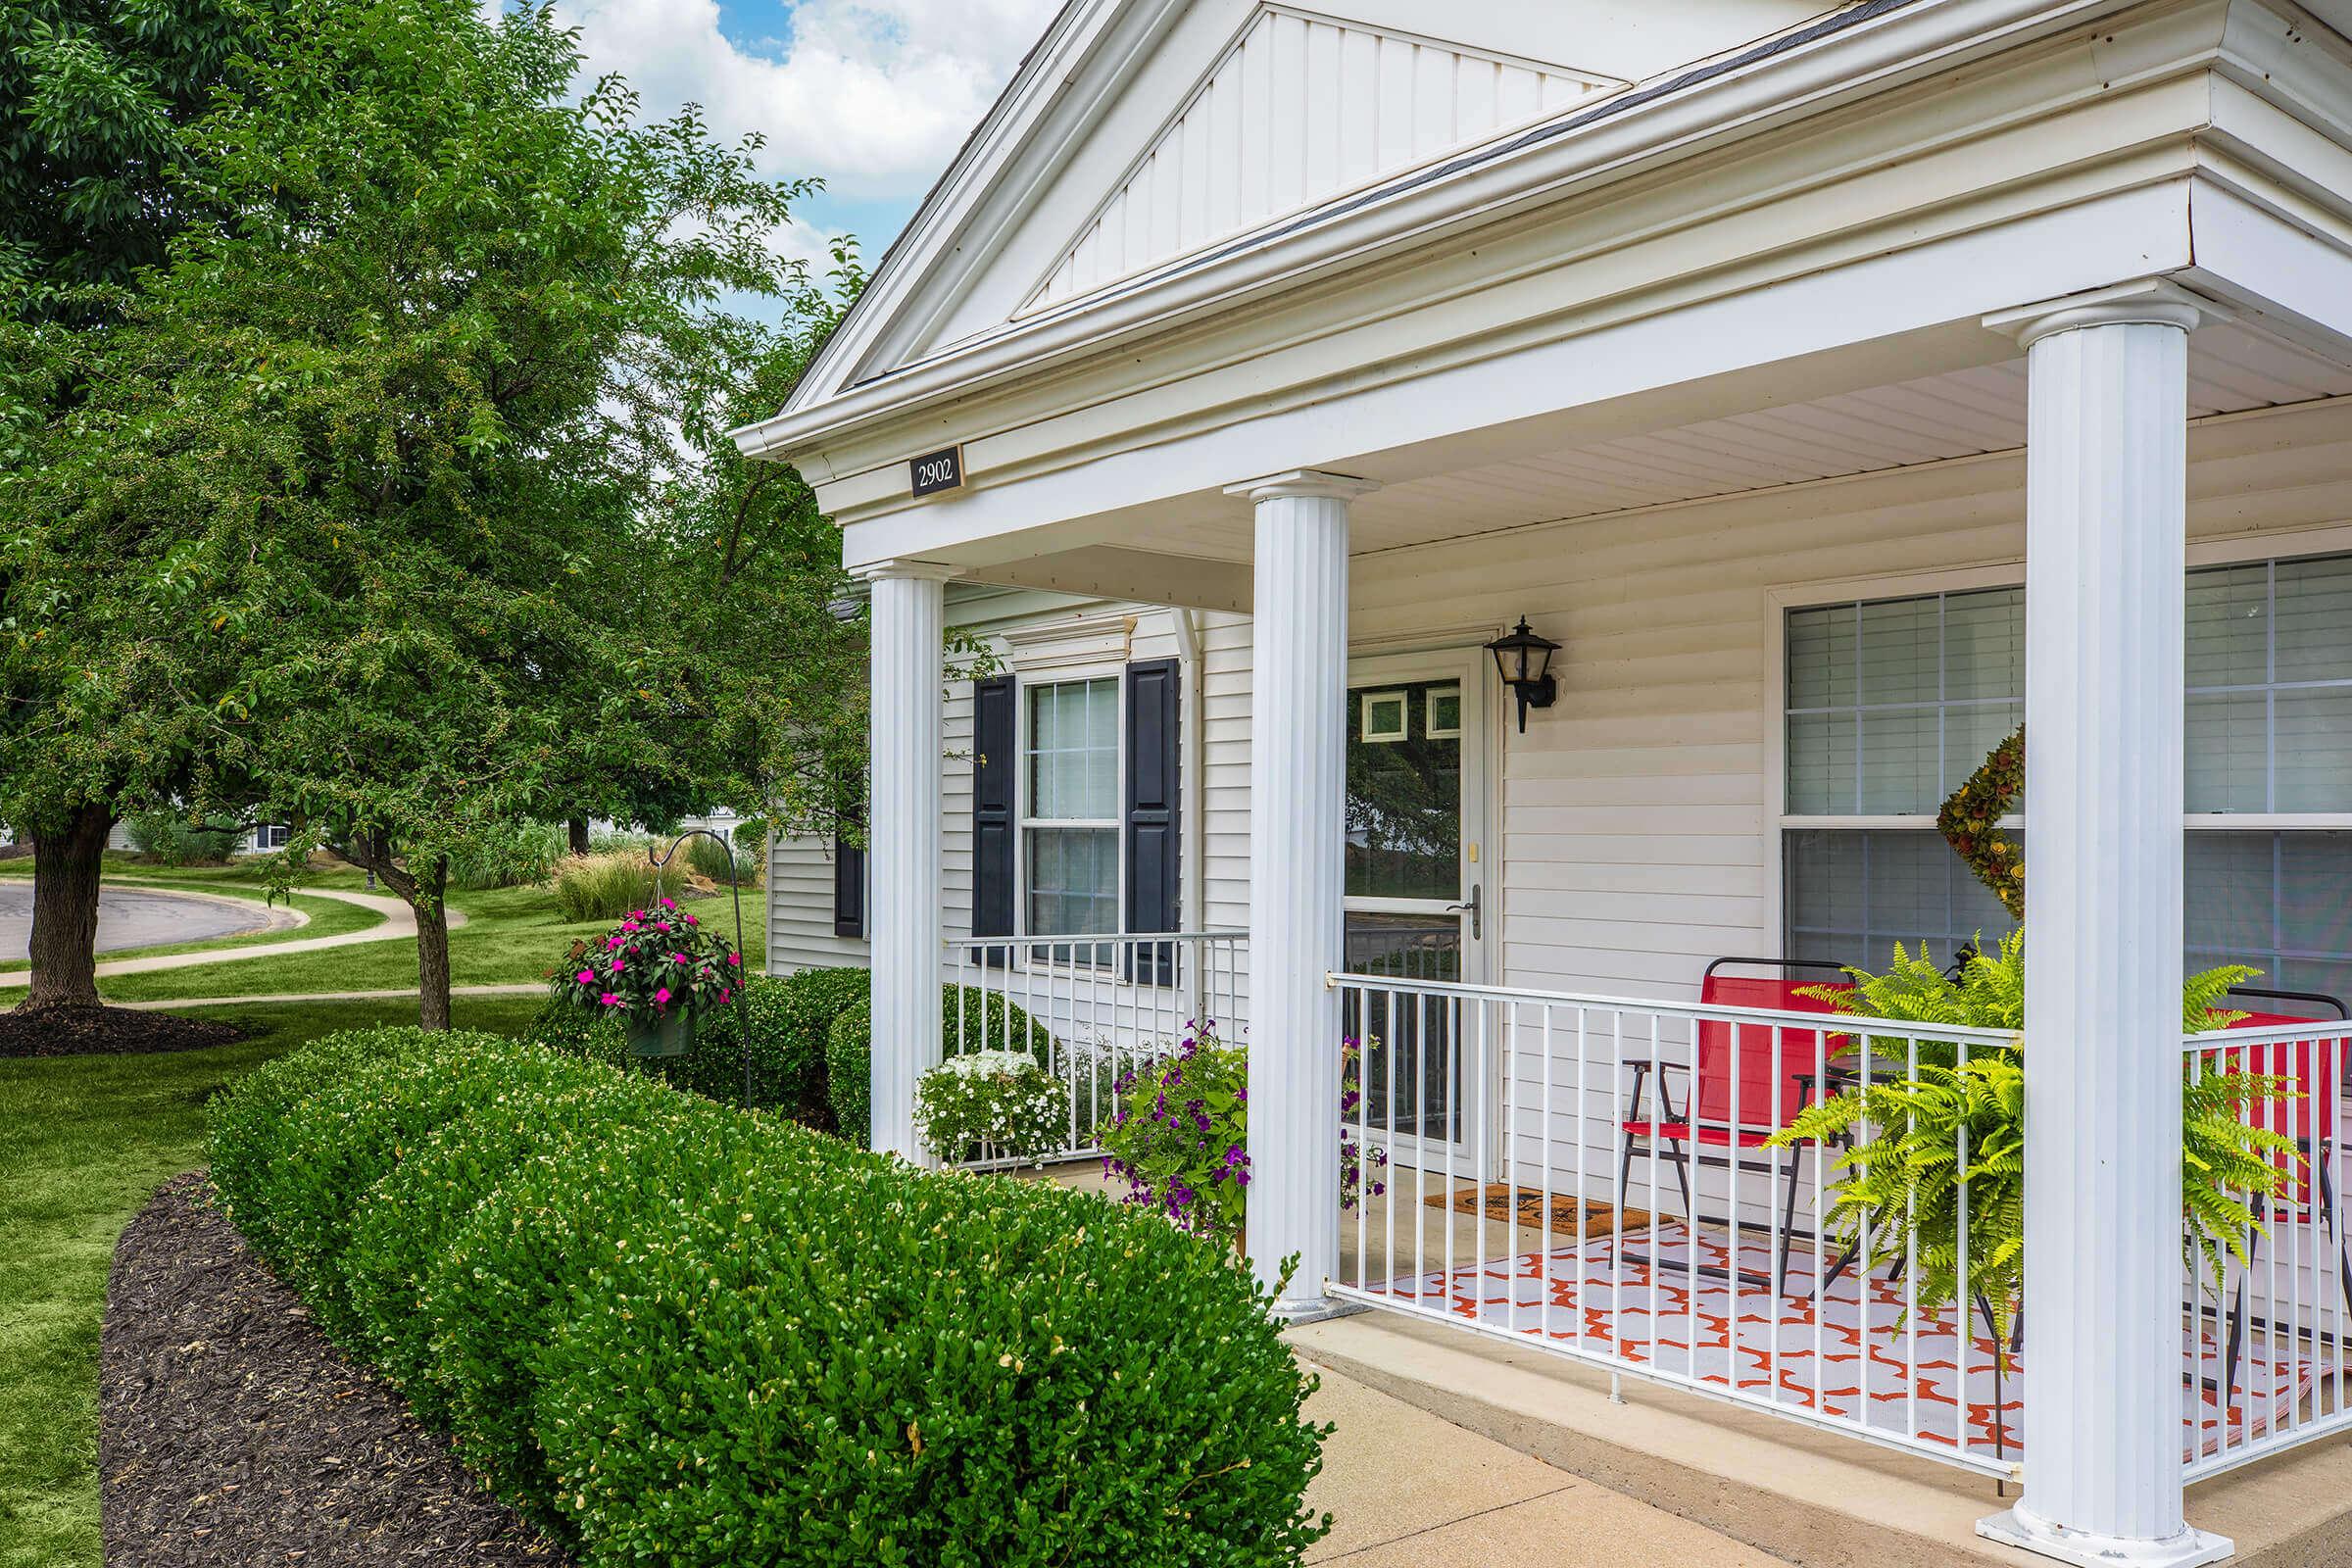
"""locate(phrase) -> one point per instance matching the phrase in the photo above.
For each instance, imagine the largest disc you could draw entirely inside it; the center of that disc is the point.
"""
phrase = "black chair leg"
(1625, 1166)
(2343, 1262)
(1780, 1278)
(2238, 1325)
(1682, 1177)
(2000, 1419)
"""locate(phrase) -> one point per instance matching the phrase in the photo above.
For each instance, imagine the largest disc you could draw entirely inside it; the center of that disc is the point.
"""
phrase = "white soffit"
(2232, 368)
(1300, 109)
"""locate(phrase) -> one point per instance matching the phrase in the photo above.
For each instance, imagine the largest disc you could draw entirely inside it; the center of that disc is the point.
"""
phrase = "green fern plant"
(1955, 1124)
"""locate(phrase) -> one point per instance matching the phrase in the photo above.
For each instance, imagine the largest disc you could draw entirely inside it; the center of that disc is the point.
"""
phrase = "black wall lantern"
(1525, 663)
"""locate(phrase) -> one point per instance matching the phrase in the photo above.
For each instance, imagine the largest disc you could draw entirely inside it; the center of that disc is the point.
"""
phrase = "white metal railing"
(2264, 1334)
(1560, 1115)
(1091, 1008)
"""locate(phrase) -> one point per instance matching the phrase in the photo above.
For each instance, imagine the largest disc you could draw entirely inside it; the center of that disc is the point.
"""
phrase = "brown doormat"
(1499, 1202)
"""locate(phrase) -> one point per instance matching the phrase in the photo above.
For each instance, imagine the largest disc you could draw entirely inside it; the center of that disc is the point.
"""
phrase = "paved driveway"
(135, 917)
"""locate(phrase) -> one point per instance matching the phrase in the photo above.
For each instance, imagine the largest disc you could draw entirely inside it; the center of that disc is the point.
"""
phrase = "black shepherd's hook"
(742, 1017)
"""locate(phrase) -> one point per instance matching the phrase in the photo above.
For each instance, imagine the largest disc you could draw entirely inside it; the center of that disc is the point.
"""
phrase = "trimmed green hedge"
(788, 1020)
(675, 1333)
(989, 1018)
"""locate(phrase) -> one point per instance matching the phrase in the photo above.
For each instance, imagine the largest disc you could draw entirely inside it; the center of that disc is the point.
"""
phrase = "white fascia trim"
(1052, 70)
(1914, 40)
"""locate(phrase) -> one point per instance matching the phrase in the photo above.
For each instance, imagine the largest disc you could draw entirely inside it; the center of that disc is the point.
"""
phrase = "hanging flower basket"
(656, 970)
(670, 1034)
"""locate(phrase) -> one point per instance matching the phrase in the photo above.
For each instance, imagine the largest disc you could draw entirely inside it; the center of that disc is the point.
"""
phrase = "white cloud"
(874, 95)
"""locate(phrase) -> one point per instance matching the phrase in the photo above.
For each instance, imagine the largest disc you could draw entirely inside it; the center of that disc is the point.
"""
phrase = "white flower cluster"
(998, 1103)
(990, 1064)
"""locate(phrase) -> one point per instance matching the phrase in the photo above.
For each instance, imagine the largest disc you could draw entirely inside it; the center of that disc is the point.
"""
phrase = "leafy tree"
(399, 498)
(95, 96)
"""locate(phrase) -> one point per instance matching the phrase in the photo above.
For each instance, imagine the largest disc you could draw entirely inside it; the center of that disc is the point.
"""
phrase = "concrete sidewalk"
(1407, 1489)
(399, 921)
(176, 1004)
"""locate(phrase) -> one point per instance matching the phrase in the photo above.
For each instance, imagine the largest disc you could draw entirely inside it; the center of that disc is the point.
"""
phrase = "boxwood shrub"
(677, 1333)
(785, 1075)
(988, 1020)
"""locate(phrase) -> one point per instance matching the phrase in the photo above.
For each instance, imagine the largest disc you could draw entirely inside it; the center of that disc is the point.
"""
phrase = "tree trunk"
(423, 885)
(432, 883)
(579, 835)
(65, 912)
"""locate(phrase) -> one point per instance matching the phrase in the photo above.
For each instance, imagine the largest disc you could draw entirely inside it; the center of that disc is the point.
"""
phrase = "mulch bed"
(106, 1032)
(1501, 1202)
(231, 1432)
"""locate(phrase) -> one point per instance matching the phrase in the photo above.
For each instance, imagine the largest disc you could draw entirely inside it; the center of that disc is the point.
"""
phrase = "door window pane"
(1404, 792)
(1413, 1059)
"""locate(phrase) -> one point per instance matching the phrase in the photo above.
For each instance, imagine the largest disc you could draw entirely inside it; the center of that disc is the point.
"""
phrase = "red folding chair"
(1737, 1104)
(2307, 1113)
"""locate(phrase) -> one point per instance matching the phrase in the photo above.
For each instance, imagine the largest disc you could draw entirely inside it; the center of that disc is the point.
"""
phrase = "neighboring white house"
(1793, 371)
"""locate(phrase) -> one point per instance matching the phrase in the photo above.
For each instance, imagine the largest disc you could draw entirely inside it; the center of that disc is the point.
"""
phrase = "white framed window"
(1070, 830)
(1442, 721)
(1890, 704)
(1385, 720)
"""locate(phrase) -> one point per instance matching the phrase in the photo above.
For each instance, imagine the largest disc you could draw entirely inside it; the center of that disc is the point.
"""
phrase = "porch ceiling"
(2233, 368)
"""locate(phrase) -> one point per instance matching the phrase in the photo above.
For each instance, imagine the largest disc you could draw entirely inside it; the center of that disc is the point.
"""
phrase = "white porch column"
(1298, 789)
(903, 839)
(2105, 565)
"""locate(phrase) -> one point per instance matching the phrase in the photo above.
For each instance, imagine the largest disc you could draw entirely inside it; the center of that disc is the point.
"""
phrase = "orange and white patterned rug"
(1918, 1380)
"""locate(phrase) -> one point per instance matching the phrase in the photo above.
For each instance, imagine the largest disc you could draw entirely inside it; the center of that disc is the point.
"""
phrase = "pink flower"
(691, 920)
(662, 926)
(735, 959)
(668, 904)
(726, 995)
(609, 999)
(612, 943)
(584, 976)
(662, 997)
(677, 958)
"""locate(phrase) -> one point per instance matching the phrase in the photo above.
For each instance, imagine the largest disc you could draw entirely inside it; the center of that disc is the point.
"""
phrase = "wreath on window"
(1971, 822)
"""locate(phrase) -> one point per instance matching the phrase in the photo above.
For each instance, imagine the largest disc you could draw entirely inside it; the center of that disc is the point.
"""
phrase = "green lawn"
(87, 1140)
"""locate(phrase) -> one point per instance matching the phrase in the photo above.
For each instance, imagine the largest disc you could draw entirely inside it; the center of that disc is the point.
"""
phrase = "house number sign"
(935, 472)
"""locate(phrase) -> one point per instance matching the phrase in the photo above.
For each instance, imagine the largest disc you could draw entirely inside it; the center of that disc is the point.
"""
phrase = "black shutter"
(995, 797)
(848, 871)
(1154, 861)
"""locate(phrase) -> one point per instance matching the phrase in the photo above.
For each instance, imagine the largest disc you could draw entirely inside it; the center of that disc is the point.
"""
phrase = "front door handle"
(1470, 907)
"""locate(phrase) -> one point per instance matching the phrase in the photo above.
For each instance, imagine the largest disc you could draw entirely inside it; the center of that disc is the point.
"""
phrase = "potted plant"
(1903, 1180)
(655, 971)
(992, 1105)
(1180, 1137)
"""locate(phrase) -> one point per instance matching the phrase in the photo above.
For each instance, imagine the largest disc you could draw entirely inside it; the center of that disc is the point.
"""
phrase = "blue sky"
(874, 96)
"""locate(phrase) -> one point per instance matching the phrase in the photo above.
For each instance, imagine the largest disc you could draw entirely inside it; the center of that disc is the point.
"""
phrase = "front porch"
(1941, 365)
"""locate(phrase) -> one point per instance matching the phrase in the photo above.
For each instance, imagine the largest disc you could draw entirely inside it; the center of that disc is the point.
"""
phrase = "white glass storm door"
(1420, 897)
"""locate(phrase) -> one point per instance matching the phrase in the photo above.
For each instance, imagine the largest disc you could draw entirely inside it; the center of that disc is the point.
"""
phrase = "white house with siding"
(1838, 389)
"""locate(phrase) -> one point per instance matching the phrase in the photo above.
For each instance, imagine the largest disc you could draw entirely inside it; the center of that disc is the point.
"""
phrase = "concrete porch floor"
(1455, 1448)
